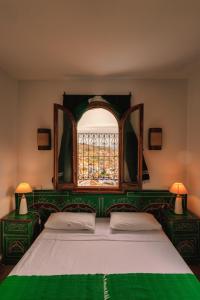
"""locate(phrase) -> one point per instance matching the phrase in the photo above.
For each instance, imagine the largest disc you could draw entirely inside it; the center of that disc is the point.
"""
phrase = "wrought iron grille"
(98, 159)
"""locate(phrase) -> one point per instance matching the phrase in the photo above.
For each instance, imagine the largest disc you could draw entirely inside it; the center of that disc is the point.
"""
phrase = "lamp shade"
(23, 188)
(178, 188)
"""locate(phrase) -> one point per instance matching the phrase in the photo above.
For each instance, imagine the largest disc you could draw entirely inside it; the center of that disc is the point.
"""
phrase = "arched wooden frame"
(103, 105)
(121, 124)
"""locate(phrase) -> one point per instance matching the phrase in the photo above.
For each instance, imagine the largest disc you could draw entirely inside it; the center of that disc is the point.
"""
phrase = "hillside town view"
(98, 159)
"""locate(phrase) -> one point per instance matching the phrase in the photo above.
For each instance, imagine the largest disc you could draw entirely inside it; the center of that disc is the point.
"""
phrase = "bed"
(102, 265)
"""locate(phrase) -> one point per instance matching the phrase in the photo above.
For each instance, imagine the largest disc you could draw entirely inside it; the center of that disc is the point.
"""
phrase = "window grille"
(98, 159)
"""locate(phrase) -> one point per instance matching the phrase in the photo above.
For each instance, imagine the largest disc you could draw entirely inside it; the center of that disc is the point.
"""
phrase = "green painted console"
(184, 232)
(18, 233)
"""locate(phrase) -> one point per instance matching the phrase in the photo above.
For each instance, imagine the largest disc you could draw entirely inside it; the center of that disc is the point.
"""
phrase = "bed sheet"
(104, 252)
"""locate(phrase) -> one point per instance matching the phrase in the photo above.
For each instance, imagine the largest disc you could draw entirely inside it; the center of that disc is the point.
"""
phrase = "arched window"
(98, 149)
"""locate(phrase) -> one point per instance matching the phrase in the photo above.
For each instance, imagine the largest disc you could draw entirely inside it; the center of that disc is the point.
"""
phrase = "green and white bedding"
(102, 287)
(104, 265)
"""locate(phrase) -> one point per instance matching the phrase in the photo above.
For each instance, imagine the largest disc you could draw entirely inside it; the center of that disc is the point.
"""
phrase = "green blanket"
(153, 287)
(59, 287)
(101, 287)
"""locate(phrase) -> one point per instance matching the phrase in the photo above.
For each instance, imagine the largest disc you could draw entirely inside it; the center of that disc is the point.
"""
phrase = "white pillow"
(133, 221)
(71, 221)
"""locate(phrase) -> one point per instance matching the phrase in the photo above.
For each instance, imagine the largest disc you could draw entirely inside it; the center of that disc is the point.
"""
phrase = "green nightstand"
(184, 232)
(18, 233)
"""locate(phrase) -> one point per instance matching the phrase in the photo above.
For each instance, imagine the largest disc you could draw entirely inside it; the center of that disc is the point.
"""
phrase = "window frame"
(67, 185)
(138, 184)
(74, 158)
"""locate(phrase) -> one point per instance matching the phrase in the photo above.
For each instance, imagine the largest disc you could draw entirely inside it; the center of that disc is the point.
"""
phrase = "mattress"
(102, 252)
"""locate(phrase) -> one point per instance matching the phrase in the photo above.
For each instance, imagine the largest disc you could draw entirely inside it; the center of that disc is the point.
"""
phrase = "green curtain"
(78, 104)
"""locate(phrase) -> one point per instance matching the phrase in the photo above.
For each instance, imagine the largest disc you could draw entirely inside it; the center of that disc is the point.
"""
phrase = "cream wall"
(165, 106)
(8, 140)
(193, 142)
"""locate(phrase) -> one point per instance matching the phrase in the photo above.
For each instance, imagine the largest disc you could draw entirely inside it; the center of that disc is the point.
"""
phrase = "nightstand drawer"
(184, 232)
(15, 247)
(15, 227)
(186, 227)
(18, 233)
(187, 246)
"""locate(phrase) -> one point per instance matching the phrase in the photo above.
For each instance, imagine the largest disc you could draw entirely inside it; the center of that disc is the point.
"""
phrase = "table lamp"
(23, 188)
(179, 189)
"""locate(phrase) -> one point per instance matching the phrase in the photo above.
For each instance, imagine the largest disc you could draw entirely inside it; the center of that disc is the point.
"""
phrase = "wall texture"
(193, 143)
(8, 140)
(165, 104)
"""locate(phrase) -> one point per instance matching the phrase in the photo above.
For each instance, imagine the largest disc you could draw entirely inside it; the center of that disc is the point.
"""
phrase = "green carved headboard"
(52, 200)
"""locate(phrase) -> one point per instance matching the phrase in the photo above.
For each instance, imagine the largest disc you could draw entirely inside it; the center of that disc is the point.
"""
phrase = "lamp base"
(23, 209)
(178, 209)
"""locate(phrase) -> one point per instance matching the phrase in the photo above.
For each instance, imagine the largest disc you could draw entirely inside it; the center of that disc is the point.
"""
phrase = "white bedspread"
(58, 252)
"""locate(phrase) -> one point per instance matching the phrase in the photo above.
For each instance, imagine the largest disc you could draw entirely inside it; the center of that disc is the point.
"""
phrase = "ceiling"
(58, 39)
